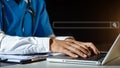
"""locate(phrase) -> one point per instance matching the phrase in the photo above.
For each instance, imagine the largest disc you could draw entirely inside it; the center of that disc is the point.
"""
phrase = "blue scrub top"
(19, 22)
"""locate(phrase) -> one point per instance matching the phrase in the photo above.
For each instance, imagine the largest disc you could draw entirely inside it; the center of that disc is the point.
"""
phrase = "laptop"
(112, 57)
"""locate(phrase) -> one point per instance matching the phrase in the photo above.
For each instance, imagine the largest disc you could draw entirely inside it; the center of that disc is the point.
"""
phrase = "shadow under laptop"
(6, 64)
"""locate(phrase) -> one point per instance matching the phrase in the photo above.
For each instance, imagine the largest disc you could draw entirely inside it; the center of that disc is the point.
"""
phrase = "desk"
(45, 64)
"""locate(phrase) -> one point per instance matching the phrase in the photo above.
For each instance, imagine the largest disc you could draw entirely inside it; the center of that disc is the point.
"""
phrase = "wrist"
(52, 42)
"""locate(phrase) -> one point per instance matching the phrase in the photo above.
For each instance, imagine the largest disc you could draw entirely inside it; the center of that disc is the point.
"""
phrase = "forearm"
(23, 45)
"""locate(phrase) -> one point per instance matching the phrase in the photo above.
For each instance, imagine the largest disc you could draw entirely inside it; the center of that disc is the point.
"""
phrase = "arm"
(28, 45)
(22, 45)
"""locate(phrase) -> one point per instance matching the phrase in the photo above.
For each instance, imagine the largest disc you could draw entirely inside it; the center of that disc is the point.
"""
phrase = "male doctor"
(25, 29)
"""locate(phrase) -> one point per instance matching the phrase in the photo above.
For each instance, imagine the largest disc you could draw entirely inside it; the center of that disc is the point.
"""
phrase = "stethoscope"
(28, 10)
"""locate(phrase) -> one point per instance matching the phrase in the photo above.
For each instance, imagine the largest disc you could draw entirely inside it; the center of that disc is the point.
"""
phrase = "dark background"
(86, 10)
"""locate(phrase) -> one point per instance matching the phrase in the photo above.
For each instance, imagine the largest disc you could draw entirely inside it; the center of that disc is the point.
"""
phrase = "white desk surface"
(46, 64)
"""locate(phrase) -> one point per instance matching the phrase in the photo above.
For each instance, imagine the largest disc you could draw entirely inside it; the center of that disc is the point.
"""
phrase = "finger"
(81, 51)
(83, 46)
(76, 51)
(92, 46)
(78, 43)
(67, 52)
(96, 51)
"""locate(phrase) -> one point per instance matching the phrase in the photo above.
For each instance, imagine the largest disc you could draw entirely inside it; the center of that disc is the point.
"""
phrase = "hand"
(73, 48)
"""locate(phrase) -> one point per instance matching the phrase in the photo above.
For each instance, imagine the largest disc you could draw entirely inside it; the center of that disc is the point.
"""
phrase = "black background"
(85, 10)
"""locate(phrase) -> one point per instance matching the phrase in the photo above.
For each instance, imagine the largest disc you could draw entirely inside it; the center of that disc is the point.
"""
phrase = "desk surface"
(45, 64)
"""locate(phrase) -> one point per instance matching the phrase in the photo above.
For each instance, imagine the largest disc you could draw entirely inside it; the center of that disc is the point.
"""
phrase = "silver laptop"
(112, 57)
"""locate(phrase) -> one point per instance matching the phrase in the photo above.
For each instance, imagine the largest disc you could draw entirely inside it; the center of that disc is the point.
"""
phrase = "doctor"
(25, 29)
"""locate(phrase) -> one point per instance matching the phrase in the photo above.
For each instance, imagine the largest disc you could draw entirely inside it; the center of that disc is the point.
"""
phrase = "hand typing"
(73, 48)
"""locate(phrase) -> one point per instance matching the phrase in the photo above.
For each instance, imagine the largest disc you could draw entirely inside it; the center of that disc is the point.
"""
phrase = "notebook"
(24, 58)
(111, 58)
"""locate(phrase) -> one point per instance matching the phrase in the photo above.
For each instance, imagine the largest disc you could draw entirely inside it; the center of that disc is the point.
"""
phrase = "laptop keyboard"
(95, 57)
